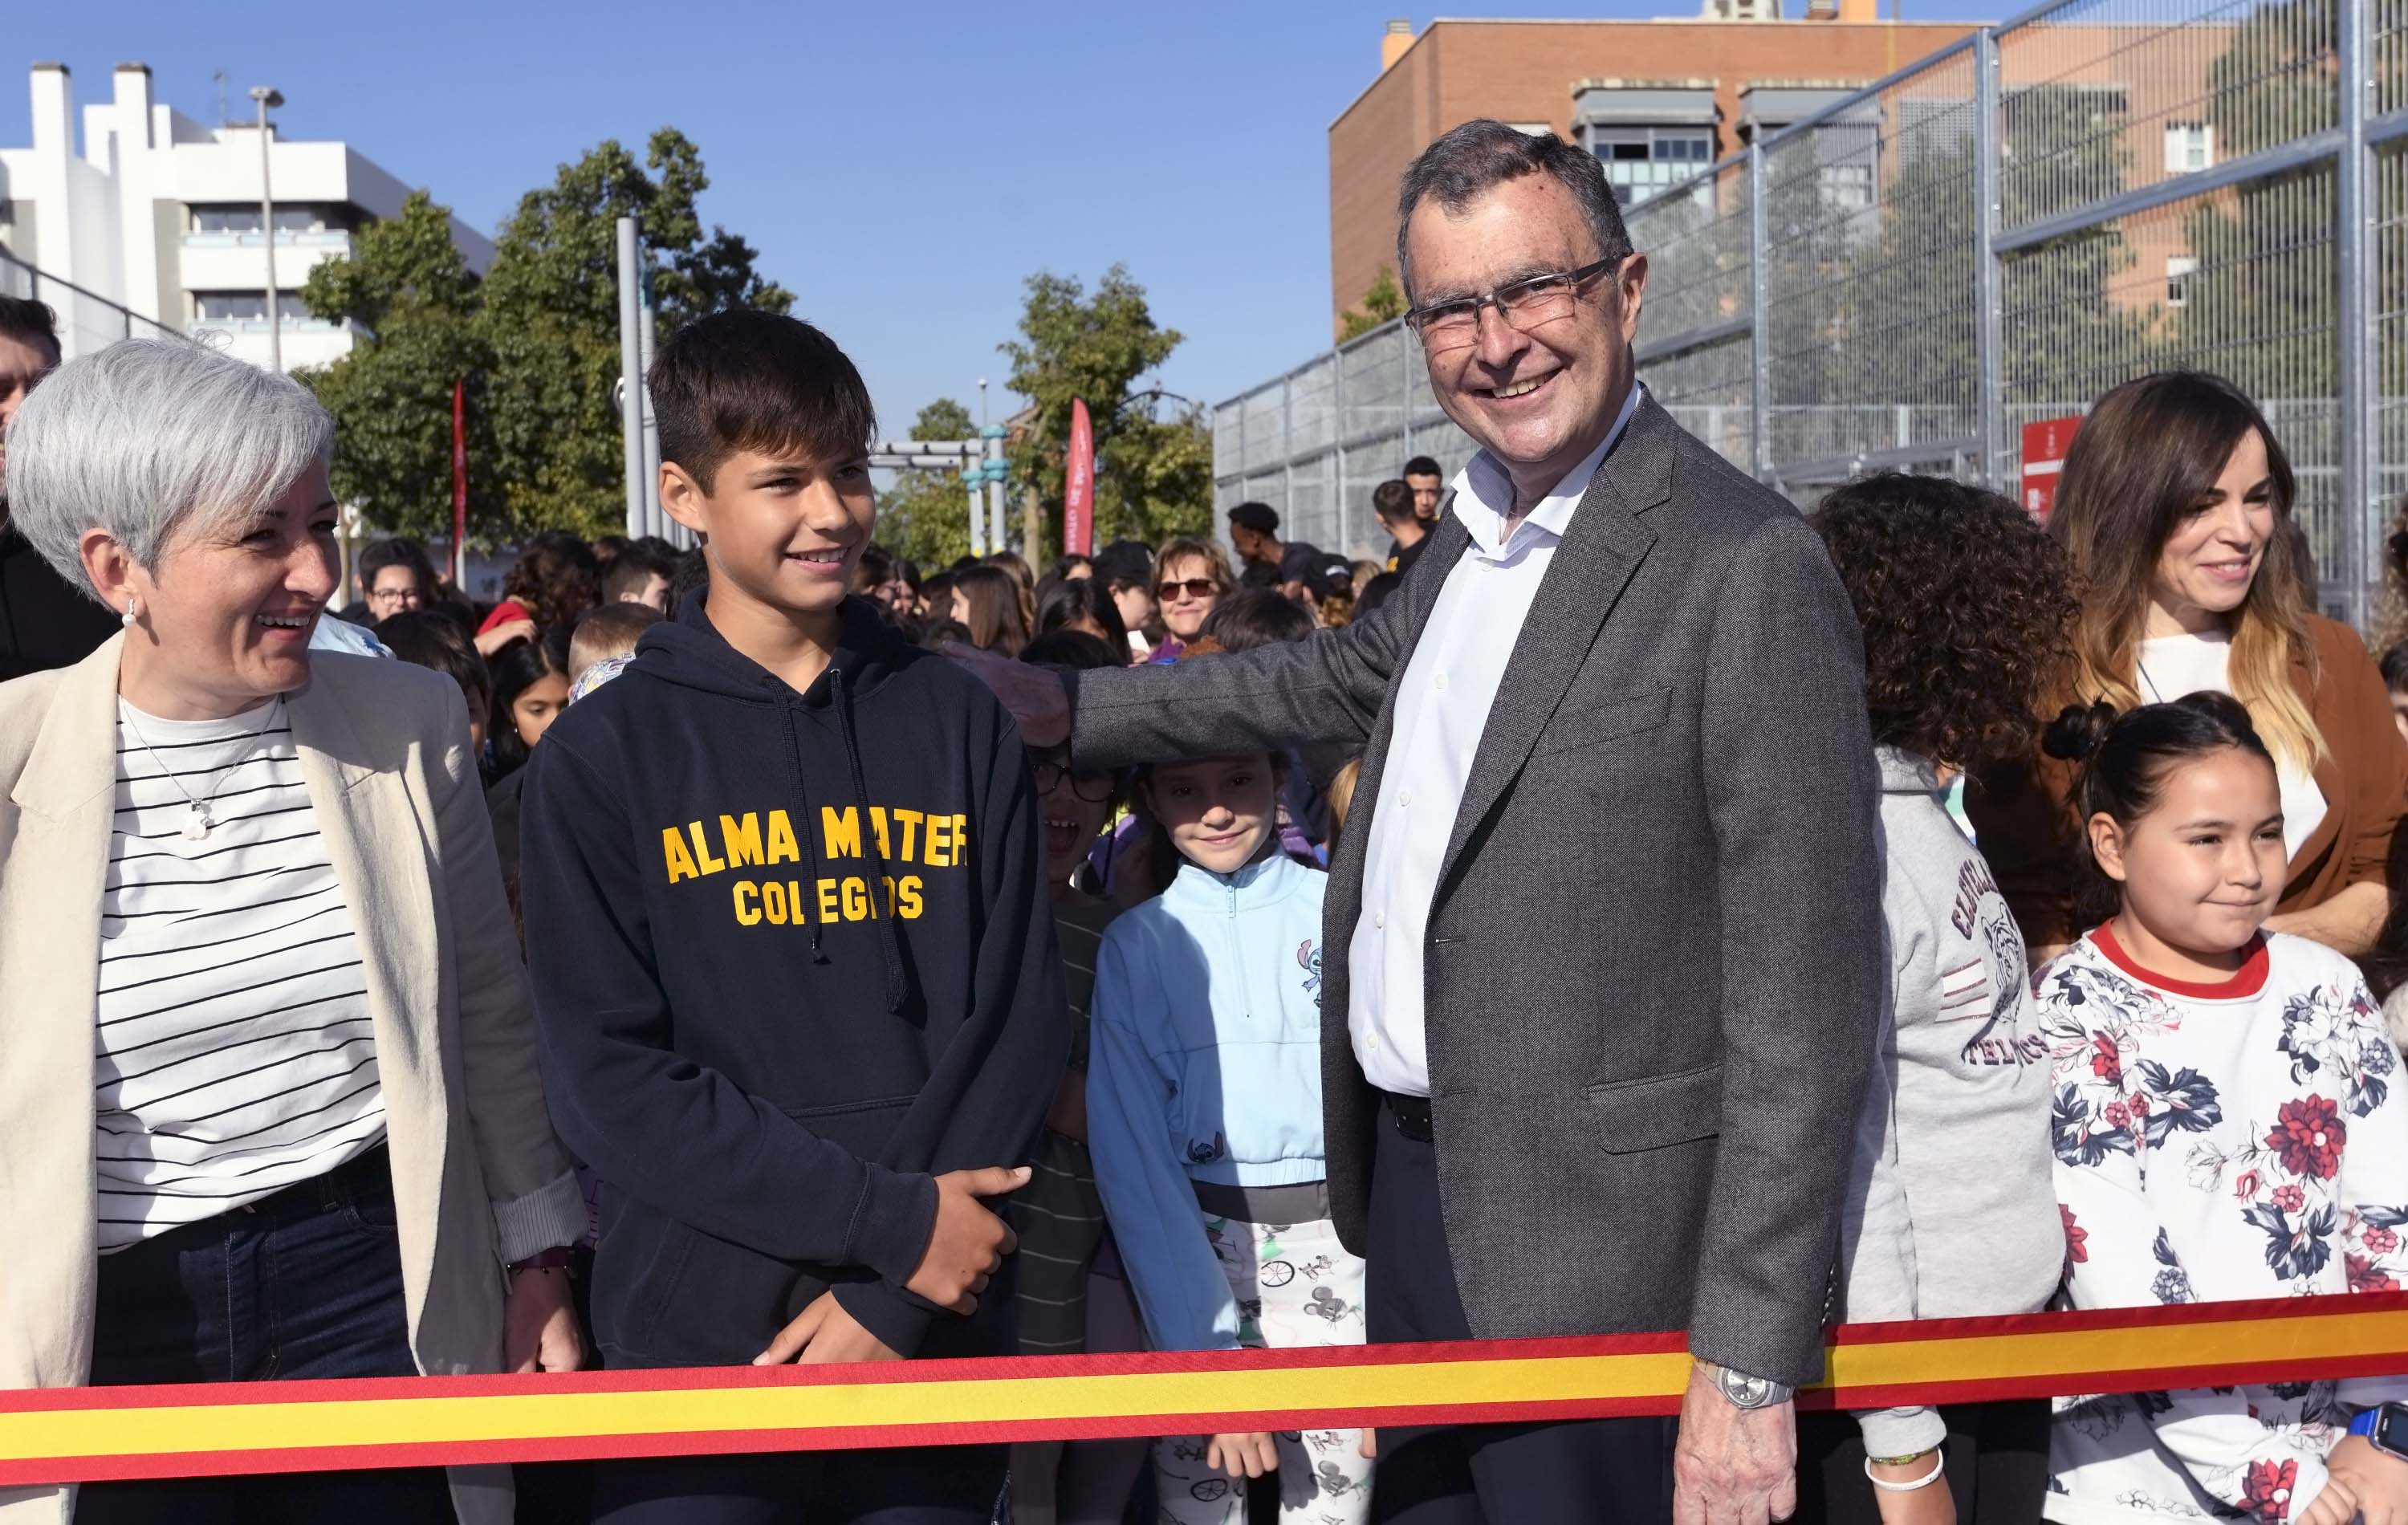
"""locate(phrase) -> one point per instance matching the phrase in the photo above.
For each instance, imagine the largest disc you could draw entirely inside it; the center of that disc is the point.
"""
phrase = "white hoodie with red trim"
(2215, 1143)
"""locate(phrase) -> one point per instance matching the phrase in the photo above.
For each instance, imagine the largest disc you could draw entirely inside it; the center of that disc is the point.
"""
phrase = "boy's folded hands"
(824, 1334)
(969, 1241)
(967, 1247)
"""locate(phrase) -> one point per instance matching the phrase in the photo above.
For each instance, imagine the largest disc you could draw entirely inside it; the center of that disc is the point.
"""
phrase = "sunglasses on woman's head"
(1197, 587)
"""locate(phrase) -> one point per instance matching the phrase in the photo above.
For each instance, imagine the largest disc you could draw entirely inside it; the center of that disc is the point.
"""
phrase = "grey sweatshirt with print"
(1949, 1210)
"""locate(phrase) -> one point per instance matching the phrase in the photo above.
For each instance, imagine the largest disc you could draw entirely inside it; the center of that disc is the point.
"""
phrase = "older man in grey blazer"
(1608, 893)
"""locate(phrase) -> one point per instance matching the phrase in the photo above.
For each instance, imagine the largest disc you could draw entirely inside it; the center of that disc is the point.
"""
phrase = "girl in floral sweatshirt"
(2227, 1124)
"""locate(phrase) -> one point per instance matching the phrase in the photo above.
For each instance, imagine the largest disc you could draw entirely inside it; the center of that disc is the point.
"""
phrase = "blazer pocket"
(1657, 1112)
(1628, 715)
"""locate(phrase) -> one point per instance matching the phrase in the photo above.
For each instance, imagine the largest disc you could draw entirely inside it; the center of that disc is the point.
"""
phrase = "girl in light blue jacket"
(1204, 1118)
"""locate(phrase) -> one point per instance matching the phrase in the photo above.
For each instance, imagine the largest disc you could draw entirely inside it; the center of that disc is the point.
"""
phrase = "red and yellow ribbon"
(89, 1435)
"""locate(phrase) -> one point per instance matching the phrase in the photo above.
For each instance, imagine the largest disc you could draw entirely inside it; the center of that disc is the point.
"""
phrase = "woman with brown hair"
(2171, 511)
(987, 602)
(1191, 576)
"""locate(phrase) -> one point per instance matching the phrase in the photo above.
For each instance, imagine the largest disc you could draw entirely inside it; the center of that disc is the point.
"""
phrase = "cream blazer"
(384, 747)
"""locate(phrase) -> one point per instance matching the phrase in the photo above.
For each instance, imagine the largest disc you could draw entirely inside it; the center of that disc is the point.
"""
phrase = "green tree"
(2263, 304)
(1154, 476)
(926, 516)
(417, 308)
(551, 317)
(1383, 302)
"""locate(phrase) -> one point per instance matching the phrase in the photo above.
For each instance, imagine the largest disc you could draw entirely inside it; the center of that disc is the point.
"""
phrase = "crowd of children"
(887, 1032)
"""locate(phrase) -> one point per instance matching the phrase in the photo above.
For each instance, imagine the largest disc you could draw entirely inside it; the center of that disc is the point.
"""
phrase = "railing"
(1991, 236)
(87, 319)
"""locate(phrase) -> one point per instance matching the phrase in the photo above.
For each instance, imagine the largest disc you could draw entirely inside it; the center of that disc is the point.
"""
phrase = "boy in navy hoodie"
(795, 972)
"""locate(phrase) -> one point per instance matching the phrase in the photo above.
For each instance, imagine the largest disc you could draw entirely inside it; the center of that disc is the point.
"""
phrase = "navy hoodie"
(792, 958)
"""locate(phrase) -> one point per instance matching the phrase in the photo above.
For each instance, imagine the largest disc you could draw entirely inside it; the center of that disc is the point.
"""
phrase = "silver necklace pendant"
(197, 821)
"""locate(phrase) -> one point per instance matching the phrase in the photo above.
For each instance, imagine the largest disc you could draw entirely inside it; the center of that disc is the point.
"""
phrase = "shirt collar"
(1486, 483)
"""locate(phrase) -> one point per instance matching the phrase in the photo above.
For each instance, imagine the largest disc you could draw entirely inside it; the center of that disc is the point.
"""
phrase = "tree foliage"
(552, 310)
(537, 343)
(416, 303)
(926, 516)
(1154, 475)
(1384, 301)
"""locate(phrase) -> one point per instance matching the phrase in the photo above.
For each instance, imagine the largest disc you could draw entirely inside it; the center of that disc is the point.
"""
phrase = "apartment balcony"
(238, 261)
(304, 341)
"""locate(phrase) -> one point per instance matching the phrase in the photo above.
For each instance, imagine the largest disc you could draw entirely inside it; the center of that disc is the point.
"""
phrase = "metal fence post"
(1989, 423)
(1759, 351)
(2353, 266)
(1337, 438)
(1287, 452)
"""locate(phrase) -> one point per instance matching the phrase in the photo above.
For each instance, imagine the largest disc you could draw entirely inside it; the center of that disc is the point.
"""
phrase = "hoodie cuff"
(899, 1319)
(1900, 1432)
(891, 1224)
(550, 1217)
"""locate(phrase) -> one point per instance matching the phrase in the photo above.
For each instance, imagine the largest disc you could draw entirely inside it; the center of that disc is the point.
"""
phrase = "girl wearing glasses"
(1204, 1115)
(1192, 576)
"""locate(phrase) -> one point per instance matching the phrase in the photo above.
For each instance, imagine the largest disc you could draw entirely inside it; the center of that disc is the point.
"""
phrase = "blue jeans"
(305, 1284)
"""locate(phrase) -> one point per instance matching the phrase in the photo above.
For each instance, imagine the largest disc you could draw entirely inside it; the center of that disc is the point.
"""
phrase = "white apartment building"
(160, 215)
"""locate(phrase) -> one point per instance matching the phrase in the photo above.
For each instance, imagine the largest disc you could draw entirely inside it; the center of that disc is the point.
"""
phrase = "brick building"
(1656, 100)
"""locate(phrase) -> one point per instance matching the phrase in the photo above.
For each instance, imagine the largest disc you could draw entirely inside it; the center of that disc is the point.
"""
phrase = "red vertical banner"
(2044, 447)
(1079, 491)
(460, 486)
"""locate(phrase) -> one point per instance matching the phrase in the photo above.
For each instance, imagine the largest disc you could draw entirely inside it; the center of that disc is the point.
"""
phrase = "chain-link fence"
(1992, 237)
(87, 322)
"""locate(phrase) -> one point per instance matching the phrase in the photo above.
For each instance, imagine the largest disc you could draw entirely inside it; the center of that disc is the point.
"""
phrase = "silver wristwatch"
(1745, 1391)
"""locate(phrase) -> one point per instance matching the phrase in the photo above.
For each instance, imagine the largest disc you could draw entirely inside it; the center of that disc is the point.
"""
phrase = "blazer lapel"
(1602, 547)
(49, 954)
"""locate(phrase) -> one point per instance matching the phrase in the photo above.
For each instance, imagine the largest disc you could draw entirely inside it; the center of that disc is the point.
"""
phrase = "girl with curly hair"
(2174, 512)
(1950, 1211)
(551, 586)
(2227, 1122)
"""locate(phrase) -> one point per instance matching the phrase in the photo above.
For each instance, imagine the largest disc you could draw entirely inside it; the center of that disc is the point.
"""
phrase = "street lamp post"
(267, 96)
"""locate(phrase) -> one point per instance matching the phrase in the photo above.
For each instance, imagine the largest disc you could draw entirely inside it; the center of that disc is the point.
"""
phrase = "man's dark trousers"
(1596, 1470)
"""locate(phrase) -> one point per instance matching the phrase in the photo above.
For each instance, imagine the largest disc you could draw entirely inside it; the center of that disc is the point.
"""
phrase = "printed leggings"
(1296, 1286)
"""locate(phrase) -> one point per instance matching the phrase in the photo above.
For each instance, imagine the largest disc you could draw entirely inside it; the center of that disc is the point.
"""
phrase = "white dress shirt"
(1441, 709)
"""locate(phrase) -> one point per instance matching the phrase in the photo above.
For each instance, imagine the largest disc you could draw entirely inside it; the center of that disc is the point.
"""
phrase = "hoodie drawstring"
(803, 812)
(890, 945)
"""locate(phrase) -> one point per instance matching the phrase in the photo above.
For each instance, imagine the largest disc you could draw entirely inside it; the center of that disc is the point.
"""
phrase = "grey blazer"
(1654, 970)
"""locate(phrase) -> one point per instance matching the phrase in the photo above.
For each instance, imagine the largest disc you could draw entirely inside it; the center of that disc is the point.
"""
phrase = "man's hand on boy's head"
(1034, 695)
(969, 1243)
(824, 1334)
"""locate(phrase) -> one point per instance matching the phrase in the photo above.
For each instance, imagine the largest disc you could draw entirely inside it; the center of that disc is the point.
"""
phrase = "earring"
(128, 620)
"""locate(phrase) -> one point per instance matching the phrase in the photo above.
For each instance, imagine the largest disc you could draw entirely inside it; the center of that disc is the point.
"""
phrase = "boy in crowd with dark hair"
(46, 621)
(1428, 484)
(795, 978)
(1254, 534)
(1393, 502)
(640, 575)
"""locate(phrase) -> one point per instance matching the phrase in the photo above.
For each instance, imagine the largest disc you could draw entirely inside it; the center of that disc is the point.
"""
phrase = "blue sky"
(902, 167)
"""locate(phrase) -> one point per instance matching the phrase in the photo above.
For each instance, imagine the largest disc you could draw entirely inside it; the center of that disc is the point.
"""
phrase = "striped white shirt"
(233, 1046)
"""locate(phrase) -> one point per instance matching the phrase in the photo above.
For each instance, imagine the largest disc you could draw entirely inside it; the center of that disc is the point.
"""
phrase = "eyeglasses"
(1197, 587)
(1094, 788)
(1524, 305)
(393, 595)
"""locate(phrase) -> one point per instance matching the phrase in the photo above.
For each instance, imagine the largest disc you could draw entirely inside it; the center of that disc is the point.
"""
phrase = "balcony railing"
(288, 237)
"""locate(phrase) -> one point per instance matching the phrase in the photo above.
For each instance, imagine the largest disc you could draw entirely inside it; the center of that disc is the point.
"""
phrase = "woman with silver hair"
(269, 1103)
